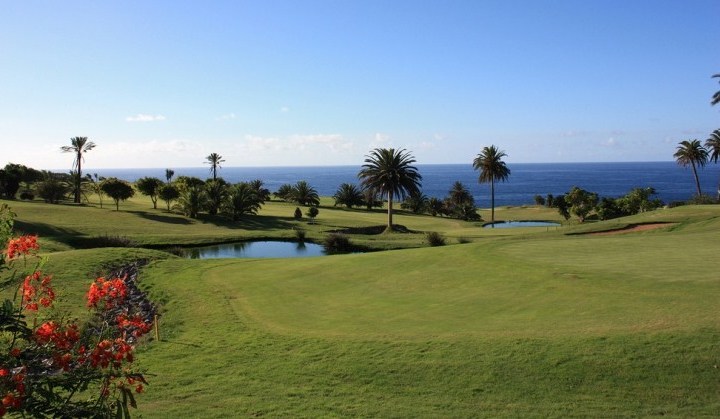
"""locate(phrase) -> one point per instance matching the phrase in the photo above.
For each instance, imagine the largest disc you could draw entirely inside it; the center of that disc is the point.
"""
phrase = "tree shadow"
(250, 222)
(45, 230)
(168, 219)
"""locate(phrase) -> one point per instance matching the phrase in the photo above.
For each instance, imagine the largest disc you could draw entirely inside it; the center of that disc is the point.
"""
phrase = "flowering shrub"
(45, 368)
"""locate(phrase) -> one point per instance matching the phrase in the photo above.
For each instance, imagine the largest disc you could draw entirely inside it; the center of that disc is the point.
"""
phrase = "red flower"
(36, 288)
(22, 245)
(112, 292)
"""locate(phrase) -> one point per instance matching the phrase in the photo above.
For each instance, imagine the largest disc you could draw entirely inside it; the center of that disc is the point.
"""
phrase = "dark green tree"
(150, 186)
(53, 188)
(168, 193)
(312, 212)
(304, 194)
(284, 192)
(415, 202)
(262, 192)
(713, 146)
(192, 200)
(118, 190)
(216, 191)
(581, 202)
(691, 152)
(78, 146)
(349, 195)
(169, 173)
(242, 199)
(390, 172)
(492, 168)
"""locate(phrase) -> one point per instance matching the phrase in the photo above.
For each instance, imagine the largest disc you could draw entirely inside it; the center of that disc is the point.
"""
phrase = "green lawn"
(528, 322)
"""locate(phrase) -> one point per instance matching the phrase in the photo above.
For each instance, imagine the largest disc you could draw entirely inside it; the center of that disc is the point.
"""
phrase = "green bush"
(435, 239)
(335, 243)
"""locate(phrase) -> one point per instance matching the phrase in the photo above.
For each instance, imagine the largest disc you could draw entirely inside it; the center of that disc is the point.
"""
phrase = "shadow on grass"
(43, 229)
(250, 222)
(169, 219)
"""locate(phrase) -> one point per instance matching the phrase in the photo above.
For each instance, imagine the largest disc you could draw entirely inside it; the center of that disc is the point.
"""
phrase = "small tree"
(349, 195)
(149, 186)
(539, 200)
(168, 193)
(298, 214)
(581, 202)
(118, 190)
(312, 212)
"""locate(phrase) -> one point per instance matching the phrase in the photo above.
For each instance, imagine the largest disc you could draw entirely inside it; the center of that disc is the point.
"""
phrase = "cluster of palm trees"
(694, 154)
(391, 173)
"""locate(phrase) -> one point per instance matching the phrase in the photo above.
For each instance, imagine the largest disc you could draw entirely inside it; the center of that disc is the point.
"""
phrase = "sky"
(322, 82)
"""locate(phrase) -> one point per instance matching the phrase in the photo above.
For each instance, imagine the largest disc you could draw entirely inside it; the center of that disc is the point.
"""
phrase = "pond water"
(514, 224)
(256, 249)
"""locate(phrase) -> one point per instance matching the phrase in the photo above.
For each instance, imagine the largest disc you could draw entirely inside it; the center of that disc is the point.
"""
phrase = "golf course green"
(521, 322)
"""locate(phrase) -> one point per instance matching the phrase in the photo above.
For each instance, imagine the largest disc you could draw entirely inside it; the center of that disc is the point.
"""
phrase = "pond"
(256, 249)
(514, 224)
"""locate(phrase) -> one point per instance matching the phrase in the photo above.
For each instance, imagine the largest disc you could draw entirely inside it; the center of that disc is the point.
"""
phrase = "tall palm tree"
(694, 154)
(713, 146)
(391, 172)
(489, 163)
(169, 173)
(214, 160)
(78, 146)
(716, 97)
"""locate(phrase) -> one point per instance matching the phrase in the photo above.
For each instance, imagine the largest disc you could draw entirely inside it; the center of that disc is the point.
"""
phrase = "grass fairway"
(517, 323)
(559, 326)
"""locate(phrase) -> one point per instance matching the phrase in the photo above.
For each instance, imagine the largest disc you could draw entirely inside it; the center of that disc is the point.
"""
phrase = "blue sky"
(165, 83)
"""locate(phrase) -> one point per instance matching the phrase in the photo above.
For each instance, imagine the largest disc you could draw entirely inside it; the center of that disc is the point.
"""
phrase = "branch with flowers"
(52, 367)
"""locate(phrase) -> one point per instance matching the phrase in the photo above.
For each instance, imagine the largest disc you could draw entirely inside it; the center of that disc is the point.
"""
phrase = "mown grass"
(527, 322)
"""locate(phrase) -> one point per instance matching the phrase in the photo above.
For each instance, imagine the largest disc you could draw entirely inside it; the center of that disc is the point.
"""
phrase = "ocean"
(672, 182)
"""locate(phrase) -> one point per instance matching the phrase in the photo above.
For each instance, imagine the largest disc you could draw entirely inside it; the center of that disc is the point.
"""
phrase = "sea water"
(672, 182)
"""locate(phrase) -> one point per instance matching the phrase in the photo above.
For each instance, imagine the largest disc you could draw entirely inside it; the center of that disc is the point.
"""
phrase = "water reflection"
(256, 249)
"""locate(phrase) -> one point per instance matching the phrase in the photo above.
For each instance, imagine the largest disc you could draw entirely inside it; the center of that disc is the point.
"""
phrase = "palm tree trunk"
(77, 180)
(492, 203)
(697, 180)
(390, 211)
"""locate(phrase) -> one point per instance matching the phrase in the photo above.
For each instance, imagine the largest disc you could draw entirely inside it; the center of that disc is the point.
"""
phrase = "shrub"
(435, 239)
(702, 200)
(539, 200)
(312, 212)
(337, 243)
(300, 235)
(28, 196)
(44, 363)
(297, 214)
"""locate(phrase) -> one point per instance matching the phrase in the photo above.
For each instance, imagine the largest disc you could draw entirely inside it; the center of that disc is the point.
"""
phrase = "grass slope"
(560, 326)
(528, 322)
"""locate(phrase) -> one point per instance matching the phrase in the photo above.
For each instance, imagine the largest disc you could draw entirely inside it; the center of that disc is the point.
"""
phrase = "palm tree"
(349, 195)
(304, 194)
(390, 171)
(78, 145)
(242, 199)
(716, 97)
(489, 163)
(694, 154)
(169, 173)
(214, 160)
(713, 146)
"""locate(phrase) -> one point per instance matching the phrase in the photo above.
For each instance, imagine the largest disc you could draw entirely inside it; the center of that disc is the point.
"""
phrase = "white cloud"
(141, 117)
(380, 140)
(573, 133)
(298, 142)
(610, 142)
(226, 117)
